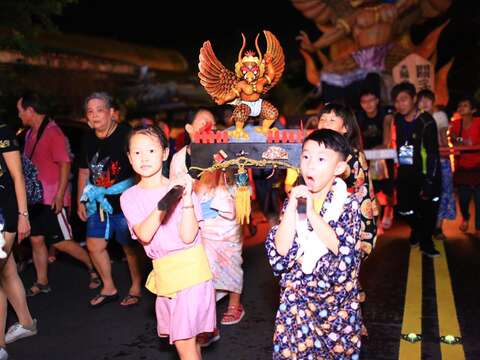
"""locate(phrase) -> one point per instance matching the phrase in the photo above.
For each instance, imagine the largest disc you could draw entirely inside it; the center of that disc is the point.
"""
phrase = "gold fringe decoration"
(242, 205)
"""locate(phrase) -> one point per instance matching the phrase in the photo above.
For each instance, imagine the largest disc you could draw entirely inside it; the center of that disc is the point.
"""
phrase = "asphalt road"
(69, 329)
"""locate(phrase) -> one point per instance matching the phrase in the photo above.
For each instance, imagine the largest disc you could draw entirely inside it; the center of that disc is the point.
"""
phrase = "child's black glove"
(170, 198)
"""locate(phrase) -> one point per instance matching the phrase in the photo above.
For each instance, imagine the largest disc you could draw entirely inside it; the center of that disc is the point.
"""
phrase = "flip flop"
(105, 299)
(128, 298)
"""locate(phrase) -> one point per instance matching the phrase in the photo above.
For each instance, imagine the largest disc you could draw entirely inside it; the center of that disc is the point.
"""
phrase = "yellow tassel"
(242, 204)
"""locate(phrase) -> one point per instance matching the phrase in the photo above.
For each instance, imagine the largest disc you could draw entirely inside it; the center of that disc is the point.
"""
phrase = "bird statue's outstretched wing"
(278, 58)
(217, 80)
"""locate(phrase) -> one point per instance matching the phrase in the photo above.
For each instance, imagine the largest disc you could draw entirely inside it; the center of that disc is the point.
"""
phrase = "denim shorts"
(118, 228)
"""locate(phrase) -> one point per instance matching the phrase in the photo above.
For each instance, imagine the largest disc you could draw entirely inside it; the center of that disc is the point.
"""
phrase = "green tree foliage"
(21, 20)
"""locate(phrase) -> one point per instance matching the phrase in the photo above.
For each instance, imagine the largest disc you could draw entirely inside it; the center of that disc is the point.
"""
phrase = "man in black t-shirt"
(375, 123)
(104, 166)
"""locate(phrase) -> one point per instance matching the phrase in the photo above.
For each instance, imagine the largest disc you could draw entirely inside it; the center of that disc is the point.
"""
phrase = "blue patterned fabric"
(447, 208)
(319, 315)
(33, 186)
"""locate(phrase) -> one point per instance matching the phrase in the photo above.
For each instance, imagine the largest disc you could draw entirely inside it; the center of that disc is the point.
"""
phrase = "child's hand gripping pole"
(170, 199)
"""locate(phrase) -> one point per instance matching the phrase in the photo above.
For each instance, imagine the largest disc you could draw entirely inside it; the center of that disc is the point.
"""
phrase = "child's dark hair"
(426, 93)
(149, 130)
(405, 87)
(331, 140)
(349, 120)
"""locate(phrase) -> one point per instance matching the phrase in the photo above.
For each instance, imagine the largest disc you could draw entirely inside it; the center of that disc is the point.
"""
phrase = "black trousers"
(420, 214)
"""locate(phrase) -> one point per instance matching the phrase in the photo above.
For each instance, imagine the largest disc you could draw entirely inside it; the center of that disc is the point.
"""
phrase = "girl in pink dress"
(185, 305)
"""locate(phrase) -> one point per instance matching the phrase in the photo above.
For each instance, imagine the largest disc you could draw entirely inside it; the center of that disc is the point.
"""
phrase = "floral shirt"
(359, 183)
(319, 314)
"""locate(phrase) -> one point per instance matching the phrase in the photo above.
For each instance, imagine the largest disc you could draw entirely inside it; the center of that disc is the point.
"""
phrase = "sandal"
(95, 281)
(104, 299)
(233, 315)
(130, 300)
(42, 288)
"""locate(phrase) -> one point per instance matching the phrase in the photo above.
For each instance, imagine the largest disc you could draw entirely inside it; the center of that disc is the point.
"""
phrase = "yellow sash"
(179, 271)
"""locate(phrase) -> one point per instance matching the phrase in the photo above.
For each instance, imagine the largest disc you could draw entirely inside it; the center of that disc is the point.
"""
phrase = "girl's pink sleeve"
(132, 210)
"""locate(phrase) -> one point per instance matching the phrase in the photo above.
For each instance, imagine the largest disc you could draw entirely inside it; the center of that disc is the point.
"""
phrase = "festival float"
(370, 40)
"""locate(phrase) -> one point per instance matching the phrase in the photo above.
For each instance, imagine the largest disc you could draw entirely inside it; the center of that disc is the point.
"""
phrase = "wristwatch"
(23, 213)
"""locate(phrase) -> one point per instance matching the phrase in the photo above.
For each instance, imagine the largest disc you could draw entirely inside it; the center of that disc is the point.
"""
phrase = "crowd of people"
(323, 222)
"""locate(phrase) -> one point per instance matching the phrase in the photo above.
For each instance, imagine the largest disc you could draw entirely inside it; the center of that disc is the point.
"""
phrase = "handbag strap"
(41, 129)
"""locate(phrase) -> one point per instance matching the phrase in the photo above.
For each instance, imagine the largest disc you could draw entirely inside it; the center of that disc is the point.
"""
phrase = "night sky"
(185, 25)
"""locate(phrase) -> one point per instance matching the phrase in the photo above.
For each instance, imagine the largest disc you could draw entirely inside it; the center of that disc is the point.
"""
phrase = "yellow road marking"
(412, 313)
(447, 313)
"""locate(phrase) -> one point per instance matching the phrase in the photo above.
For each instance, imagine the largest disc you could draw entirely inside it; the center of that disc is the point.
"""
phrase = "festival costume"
(359, 183)
(319, 314)
(182, 312)
(222, 240)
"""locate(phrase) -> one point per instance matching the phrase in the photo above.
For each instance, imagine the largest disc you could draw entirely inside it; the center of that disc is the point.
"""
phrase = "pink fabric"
(223, 202)
(52, 149)
(223, 243)
(193, 310)
(177, 165)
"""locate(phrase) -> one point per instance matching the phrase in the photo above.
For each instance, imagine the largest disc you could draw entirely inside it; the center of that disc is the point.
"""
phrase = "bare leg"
(188, 349)
(234, 299)
(74, 249)
(98, 251)
(52, 256)
(13, 286)
(133, 261)
(3, 316)
(40, 258)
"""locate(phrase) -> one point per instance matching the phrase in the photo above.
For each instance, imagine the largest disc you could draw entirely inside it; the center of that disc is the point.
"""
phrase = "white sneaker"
(17, 331)
(3, 354)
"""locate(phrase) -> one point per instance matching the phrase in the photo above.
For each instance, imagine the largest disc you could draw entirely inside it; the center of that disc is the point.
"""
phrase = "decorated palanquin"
(245, 146)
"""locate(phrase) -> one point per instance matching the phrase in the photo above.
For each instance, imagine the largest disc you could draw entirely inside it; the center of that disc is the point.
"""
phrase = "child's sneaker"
(3, 354)
(207, 339)
(234, 314)
(18, 331)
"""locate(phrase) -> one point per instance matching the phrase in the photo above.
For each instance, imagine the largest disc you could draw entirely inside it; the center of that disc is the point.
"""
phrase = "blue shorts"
(118, 228)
